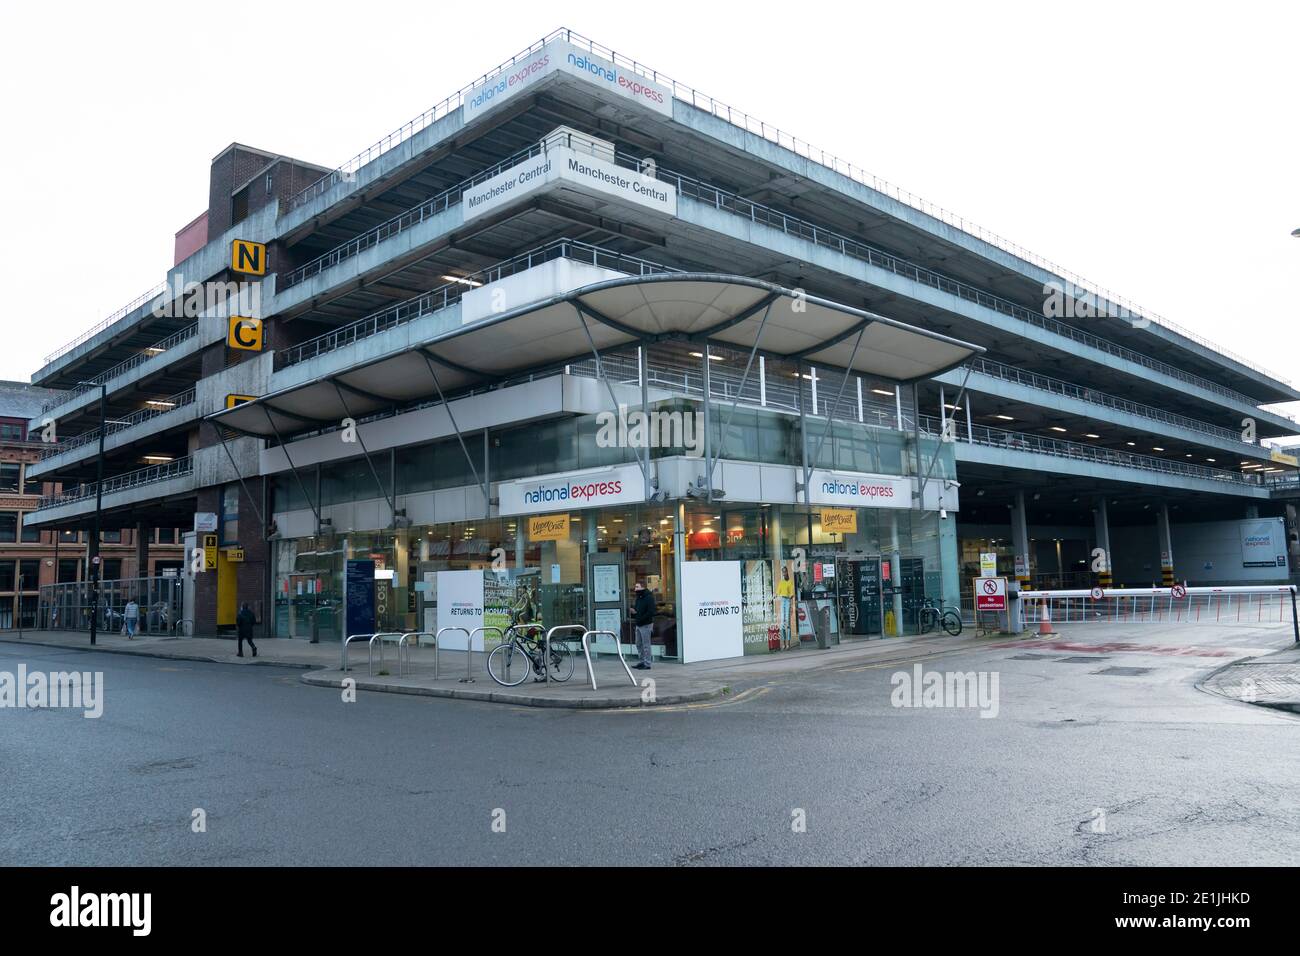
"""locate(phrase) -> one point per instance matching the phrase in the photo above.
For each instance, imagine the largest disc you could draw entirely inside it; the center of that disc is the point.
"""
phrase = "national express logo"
(718, 609)
(857, 489)
(609, 74)
(505, 81)
(573, 491)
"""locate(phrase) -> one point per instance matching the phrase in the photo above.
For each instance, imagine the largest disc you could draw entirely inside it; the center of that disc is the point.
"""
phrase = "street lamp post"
(99, 501)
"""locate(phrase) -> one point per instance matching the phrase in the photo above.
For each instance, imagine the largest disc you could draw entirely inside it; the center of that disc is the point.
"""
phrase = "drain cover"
(1083, 660)
(1031, 657)
(1124, 671)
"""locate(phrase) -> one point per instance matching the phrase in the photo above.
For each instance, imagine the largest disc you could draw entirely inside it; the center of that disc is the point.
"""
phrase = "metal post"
(708, 429)
(643, 373)
(94, 526)
(1295, 619)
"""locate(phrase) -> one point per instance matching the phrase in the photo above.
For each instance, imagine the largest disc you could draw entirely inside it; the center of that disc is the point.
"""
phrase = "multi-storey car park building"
(447, 322)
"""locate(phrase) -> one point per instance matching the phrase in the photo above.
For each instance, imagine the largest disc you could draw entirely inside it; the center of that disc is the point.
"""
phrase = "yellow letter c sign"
(245, 334)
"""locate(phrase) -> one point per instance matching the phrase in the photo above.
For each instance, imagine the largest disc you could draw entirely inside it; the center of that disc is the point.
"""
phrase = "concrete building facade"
(404, 357)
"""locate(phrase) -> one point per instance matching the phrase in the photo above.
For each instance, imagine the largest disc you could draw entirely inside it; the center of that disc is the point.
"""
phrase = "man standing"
(244, 622)
(130, 617)
(643, 617)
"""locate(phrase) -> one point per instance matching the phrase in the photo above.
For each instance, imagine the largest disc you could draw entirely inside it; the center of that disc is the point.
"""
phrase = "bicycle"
(522, 653)
(947, 617)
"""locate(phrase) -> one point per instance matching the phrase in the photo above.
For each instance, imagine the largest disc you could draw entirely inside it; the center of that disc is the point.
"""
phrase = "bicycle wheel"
(952, 622)
(561, 661)
(926, 620)
(508, 665)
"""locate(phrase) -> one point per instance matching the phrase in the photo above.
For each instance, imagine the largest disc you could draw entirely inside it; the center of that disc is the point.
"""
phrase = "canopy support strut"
(460, 437)
(390, 500)
(315, 509)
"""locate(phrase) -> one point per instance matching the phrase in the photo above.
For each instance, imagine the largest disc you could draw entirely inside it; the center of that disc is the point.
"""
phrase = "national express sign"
(859, 491)
(573, 491)
(559, 56)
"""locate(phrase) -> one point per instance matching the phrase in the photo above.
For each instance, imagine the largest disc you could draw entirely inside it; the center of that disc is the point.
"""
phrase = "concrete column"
(142, 533)
(1020, 540)
(1166, 547)
(1101, 520)
(1020, 545)
(949, 560)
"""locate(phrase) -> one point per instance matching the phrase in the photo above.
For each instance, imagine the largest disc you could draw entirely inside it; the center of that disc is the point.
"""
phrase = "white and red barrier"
(1237, 604)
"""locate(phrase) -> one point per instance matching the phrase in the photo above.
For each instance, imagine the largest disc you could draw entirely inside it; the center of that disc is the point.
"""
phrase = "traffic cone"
(1045, 622)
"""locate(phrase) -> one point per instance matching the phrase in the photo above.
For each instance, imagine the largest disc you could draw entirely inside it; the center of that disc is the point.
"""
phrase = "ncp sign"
(863, 491)
(572, 491)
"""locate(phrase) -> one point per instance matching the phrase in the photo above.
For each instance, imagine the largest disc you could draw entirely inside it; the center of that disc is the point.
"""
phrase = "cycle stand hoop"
(380, 638)
(618, 649)
(343, 665)
(469, 651)
(546, 649)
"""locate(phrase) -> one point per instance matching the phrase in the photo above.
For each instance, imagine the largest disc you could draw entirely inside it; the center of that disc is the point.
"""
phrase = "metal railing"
(139, 358)
(1009, 373)
(69, 606)
(1233, 604)
(346, 172)
(132, 479)
(1026, 442)
(726, 201)
(401, 222)
(782, 139)
(163, 407)
(105, 323)
(448, 294)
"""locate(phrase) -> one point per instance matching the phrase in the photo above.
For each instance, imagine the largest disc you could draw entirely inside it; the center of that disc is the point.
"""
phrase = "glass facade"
(802, 585)
(869, 583)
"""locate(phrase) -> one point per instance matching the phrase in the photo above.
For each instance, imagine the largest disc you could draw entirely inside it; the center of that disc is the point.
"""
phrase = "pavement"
(666, 684)
(1272, 680)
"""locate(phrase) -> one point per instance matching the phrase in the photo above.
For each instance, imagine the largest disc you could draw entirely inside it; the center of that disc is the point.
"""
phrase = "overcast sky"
(1150, 147)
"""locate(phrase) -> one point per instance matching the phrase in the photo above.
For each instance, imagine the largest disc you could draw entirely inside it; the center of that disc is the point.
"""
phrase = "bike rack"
(343, 666)
(469, 649)
(417, 635)
(546, 646)
(618, 649)
(380, 638)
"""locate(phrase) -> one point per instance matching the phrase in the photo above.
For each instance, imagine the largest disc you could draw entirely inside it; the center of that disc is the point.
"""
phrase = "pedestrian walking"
(130, 618)
(244, 622)
(643, 619)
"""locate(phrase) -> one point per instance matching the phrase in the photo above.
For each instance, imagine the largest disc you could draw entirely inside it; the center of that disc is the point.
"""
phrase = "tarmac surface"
(1094, 747)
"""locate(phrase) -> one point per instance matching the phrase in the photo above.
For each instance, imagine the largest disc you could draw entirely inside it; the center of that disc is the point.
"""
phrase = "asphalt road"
(290, 774)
